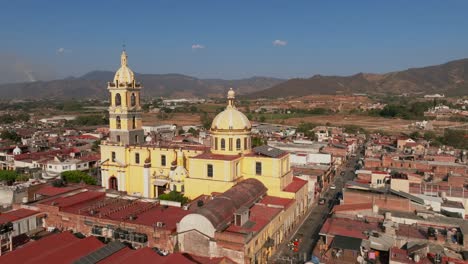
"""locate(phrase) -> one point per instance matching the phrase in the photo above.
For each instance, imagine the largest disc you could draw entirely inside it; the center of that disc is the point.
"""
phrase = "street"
(307, 233)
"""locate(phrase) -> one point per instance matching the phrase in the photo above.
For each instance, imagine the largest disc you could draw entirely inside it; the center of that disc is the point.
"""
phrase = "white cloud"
(280, 43)
(197, 46)
(61, 51)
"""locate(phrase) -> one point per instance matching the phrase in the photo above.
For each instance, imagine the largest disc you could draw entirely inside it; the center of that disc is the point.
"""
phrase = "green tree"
(415, 135)
(193, 131)
(8, 176)
(77, 177)
(456, 138)
(256, 141)
(95, 146)
(174, 196)
(262, 118)
(11, 135)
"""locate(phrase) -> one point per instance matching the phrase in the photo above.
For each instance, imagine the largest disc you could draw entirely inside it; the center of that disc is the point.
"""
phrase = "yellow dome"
(124, 74)
(231, 118)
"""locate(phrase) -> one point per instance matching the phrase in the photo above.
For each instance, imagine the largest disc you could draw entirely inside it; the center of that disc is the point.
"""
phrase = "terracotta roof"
(50, 190)
(347, 227)
(259, 217)
(295, 185)
(16, 215)
(58, 248)
(273, 200)
(352, 207)
(209, 155)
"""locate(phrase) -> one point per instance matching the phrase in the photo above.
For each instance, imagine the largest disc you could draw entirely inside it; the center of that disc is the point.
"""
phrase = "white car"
(333, 187)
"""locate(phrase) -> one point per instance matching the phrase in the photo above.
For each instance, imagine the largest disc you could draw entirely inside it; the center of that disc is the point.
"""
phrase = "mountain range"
(94, 85)
(450, 78)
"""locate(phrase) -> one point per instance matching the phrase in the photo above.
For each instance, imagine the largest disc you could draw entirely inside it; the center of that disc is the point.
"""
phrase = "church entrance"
(113, 183)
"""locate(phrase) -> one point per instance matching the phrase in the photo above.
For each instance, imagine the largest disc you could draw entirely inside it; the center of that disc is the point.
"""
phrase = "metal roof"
(269, 151)
(408, 196)
(344, 242)
(101, 253)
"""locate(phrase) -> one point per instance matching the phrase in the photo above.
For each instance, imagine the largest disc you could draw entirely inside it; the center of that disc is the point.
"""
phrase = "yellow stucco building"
(130, 165)
(252, 199)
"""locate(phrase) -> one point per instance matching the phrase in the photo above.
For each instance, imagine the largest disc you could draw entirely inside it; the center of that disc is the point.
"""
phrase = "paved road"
(308, 231)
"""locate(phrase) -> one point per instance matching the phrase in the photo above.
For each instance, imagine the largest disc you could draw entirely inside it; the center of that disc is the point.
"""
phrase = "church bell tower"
(125, 109)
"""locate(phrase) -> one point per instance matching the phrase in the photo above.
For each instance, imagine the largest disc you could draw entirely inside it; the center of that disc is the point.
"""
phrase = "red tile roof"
(75, 199)
(352, 207)
(209, 155)
(260, 216)
(49, 250)
(295, 185)
(273, 200)
(50, 190)
(347, 227)
(16, 215)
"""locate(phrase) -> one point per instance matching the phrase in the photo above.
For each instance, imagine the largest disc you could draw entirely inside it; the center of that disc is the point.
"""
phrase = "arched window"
(118, 138)
(223, 144)
(136, 139)
(118, 100)
(113, 184)
(238, 144)
(245, 143)
(134, 122)
(118, 122)
(133, 99)
(216, 143)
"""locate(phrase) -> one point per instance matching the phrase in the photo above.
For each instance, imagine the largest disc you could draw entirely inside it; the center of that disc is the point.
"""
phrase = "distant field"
(180, 119)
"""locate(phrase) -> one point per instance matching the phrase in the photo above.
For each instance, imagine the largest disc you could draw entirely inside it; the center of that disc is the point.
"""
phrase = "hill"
(450, 78)
(94, 84)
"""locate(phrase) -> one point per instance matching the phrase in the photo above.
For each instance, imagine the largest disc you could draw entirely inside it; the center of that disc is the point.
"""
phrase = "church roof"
(221, 209)
(231, 118)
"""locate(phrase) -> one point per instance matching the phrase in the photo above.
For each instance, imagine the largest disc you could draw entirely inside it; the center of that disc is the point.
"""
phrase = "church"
(245, 200)
(131, 165)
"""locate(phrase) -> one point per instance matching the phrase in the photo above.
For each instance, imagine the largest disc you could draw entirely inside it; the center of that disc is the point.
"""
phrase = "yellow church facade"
(131, 165)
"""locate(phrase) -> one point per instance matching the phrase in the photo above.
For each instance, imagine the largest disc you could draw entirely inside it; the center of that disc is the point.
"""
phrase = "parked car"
(332, 187)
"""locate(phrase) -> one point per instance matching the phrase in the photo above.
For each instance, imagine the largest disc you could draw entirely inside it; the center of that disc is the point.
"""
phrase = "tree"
(11, 135)
(174, 196)
(95, 146)
(415, 135)
(77, 177)
(8, 176)
(256, 141)
(262, 118)
(193, 131)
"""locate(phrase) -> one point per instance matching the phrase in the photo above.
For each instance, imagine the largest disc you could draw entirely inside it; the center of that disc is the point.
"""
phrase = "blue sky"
(229, 39)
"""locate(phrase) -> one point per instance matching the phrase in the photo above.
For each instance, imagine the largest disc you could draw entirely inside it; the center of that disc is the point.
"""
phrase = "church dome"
(231, 118)
(124, 74)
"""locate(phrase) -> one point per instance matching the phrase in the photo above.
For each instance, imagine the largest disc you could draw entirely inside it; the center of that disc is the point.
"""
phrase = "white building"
(57, 166)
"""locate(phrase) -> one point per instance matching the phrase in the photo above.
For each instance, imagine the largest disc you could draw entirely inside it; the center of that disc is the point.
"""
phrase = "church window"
(118, 138)
(245, 143)
(118, 122)
(230, 144)
(238, 144)
(223, 144)
(113, 156)
(216, 143)
(258, 168)
(163, 160)
(134, 122)
(209, 171)
(133, 99)
(136, 139)
(137, 158)
(118, 100)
